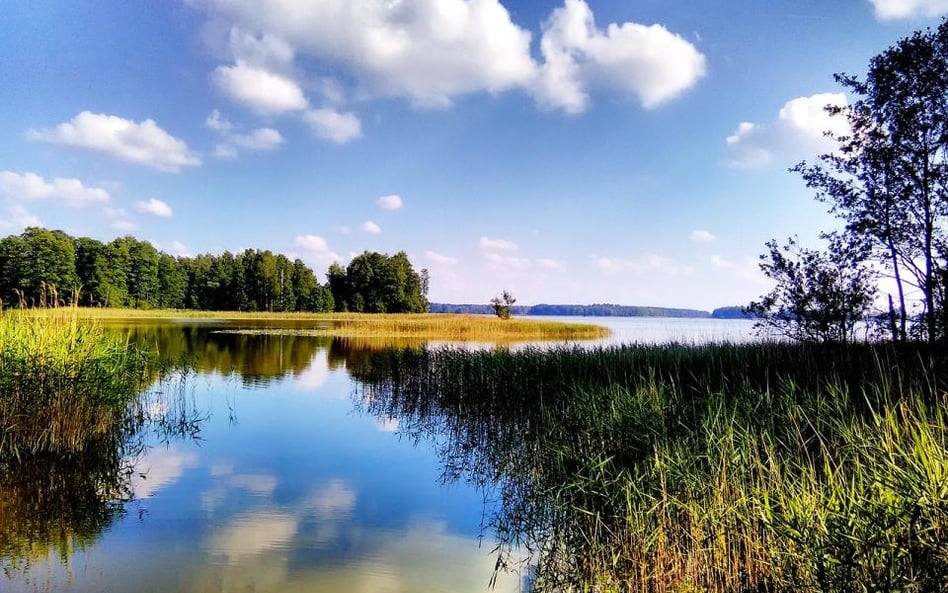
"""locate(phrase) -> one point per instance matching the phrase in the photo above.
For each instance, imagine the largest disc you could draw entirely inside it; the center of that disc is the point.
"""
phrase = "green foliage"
(503, 304)
(130, 273)
(771, 468)
(64, 383)
(819, 296)
(887, 180)
(378, 283)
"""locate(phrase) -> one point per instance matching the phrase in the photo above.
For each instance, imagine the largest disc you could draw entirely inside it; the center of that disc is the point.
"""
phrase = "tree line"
(886, 181)
(39, 264)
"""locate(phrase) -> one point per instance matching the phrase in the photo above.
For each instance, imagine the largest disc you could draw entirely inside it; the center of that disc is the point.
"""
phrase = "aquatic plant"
(723, 468)
(64, 383)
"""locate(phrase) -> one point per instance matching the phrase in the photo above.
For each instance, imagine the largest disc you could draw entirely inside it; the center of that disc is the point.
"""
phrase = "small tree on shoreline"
(502, 304)
(819, 296)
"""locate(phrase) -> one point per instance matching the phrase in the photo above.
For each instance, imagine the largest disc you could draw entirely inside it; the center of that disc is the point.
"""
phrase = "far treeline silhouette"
(126, 272)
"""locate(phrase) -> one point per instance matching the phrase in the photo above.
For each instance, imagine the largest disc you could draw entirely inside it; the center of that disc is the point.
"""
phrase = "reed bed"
(753, 468)
(64, 383)
(433, 326)
(448, 327)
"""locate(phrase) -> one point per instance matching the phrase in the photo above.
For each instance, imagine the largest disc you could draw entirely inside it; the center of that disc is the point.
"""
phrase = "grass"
(64, 383)
(756, 468)
(365, 325)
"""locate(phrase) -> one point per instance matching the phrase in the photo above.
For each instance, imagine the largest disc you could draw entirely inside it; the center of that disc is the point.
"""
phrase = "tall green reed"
(722, 468)
(64, 382)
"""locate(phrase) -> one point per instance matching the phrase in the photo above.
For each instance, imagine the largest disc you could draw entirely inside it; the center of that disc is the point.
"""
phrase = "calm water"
(258, 472)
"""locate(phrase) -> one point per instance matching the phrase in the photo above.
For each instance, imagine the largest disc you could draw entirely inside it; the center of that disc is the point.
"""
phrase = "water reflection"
(50, 508)
(54, 506)
(255, 475)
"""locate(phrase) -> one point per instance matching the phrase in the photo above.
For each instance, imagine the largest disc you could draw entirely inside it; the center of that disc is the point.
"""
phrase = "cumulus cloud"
(180, 249)
(428, 51)
(264, 51)
(900, 9)
(391, 202)
(19, 218)
(259, 139)
(798, 131)
(259, 89)
(438, 258)
(647, 264)
(311, 243)
(225, 151)
(218, 122)
(154, 207)
(371, 228)
(506, 261)
(126, 226)
(315, 250)
(30, 186)
(144, 143)
(649, 62)
(497, 244)
(433, 51)
(332, 125)
(703, 237)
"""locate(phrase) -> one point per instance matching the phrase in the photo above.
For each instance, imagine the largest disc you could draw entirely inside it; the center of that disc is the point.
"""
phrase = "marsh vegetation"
(65, 383)
(718, 468)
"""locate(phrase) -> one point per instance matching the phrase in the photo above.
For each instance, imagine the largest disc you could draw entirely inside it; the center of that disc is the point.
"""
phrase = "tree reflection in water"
(52, 506)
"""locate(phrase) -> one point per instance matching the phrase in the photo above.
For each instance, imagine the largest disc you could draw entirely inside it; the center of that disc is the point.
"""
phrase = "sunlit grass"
(364, 325)
(757, 468)
(63, 382)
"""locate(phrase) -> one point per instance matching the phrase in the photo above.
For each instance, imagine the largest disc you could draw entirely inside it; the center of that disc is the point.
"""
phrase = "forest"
(41, 267)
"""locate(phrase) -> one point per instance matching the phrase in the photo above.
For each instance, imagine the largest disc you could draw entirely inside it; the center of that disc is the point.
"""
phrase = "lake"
(266, 467)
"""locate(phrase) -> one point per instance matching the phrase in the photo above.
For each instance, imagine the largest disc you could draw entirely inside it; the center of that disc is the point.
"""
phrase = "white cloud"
(391, 202)
(440, 259)
(252, 533)
(428, 51)
(259, 139)
(263, 51)
(218, 122)
(343, 230)
(333, 125)
(144, 143)
(703, 237)
(154, 206)
(797, 132)
(434, 51)
(371, 228)
(647, 264)
(497, 244)
(225, 151)
(259, 89)
(900, 9)
(548, 263)
(18, 218)
(126, 226)
(30, 186)
(506, 261)
(648, 62)
(311, 243)
(180, 249)
(164, 468)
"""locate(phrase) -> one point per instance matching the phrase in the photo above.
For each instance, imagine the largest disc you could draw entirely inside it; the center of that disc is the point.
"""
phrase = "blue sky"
(569, 151)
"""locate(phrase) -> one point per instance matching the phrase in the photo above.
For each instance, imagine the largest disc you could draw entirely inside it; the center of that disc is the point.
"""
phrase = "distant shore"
(596, 310)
